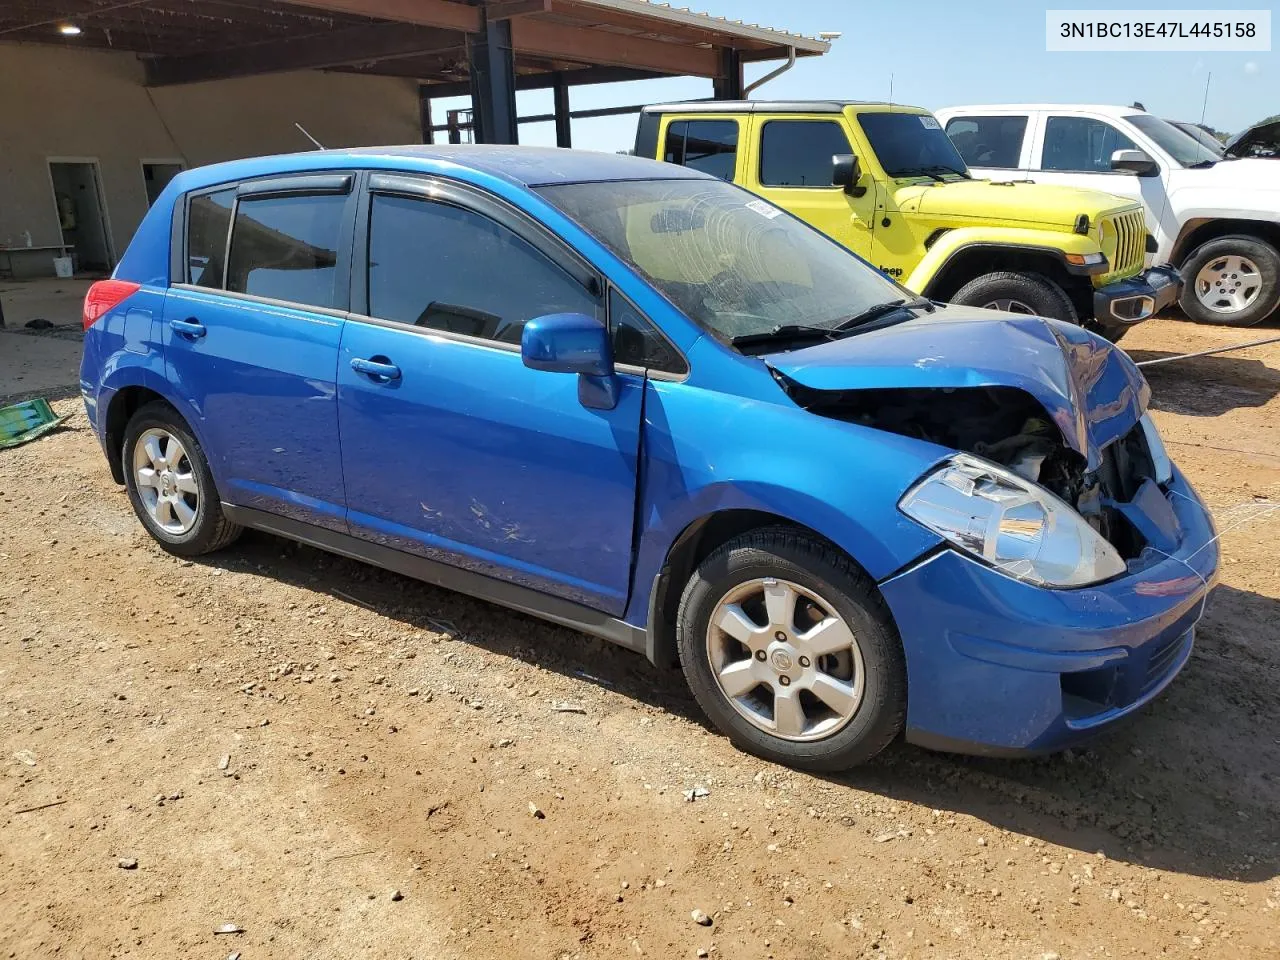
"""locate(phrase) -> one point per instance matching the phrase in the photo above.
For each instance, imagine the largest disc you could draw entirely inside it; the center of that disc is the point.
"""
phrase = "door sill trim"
(523, 599)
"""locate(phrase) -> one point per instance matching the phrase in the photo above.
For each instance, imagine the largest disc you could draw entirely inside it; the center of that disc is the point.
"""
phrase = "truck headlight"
(1014, 525)
(1155, 446)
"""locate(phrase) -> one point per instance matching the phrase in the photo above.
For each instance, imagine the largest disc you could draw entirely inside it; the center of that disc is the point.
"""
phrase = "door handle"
(191, 329)
(377, 370)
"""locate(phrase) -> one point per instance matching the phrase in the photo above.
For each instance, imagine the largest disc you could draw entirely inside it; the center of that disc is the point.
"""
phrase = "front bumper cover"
(1127, 302)
(997, 666)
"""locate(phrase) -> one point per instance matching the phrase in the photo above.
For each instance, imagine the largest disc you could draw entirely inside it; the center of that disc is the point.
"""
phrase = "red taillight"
(104, 295)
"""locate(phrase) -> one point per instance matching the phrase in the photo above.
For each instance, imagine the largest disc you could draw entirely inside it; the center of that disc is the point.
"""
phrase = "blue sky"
(946, 53)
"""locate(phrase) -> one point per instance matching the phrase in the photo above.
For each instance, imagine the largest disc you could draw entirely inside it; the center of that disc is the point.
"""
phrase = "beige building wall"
(81, 104)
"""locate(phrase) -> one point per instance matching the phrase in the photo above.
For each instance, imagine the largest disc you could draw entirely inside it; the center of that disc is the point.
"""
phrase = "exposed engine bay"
(1009, 427)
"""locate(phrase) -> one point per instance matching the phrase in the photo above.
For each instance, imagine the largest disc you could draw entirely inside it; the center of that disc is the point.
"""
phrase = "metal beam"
(493, 90)
(563, 116)
(729, 84)
(506, 9)
(379, 41)
(423, 13)
(584, 45)
(543, 81)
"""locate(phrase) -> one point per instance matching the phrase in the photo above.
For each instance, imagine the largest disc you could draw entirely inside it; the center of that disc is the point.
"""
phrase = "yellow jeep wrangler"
(885, 181)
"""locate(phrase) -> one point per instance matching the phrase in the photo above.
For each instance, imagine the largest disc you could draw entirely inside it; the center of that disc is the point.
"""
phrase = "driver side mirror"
(573, 343)
(846, 172)
(1134, 161)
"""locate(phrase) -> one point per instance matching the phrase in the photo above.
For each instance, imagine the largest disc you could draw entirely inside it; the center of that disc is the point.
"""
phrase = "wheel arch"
(129, 392)
(698, 540)
(1198, 231)
(978, 259)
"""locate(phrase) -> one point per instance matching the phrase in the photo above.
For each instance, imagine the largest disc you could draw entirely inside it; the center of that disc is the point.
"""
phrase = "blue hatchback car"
(641, 402)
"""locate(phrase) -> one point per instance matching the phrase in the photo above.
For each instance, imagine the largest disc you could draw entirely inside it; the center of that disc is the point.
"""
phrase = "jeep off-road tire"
(1231, 281)
(170, 485)
(790, 650)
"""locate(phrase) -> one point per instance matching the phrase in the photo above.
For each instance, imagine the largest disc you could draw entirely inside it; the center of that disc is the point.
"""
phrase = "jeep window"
(798, 153)
(912, 145)
(1180, 145)
(733, 263)
(1081, 145)
(439, 266)
(707, 145)
(286, 247)
(989, 141)
(208, 219)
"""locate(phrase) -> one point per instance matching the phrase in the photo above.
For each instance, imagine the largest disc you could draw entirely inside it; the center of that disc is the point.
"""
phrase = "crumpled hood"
(1260, 140)
(1032, 203)
(1091, 389)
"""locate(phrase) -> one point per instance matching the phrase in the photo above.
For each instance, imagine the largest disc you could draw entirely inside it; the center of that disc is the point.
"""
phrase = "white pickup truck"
(1216, 218)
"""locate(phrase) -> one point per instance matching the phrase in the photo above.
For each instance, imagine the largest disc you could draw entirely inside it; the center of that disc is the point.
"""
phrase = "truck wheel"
(1026, 293)
(1233, 281)
(790, 650)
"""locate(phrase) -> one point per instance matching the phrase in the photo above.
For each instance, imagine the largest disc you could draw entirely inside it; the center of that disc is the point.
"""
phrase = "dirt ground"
(340, 762)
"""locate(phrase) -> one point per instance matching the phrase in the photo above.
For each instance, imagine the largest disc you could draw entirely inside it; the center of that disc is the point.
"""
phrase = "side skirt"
(564, 612)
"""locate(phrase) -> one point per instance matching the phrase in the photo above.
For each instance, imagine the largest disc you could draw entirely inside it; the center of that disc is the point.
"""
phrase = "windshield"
(733, 263)
(911, 145)
(1184, 149)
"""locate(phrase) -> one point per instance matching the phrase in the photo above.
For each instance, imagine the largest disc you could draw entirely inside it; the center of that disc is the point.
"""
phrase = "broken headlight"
(1016, 526)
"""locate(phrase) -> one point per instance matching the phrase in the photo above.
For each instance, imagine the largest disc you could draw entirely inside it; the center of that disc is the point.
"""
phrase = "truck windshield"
(734, 264)
(1184, 148)
(912, 145)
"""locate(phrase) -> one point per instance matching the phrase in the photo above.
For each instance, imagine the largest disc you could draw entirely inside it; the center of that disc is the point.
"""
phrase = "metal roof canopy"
(485, 48)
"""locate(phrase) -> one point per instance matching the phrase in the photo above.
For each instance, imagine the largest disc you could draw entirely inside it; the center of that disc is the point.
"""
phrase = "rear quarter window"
(710, 146)
(208, 219)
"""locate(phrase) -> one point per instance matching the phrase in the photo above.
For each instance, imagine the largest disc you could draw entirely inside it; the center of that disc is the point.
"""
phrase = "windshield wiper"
(872, 314)
(936, 172)
(1205, 164)
(786, 331)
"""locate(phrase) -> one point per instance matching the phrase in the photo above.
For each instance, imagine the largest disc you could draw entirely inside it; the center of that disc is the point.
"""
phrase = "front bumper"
(1131, 301)
(1000, 667)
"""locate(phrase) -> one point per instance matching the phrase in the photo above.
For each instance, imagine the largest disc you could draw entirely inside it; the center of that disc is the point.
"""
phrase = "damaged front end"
(1008, 427)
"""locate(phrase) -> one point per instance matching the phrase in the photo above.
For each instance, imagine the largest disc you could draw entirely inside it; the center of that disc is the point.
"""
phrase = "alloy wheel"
(1228, 284)
(785, 659)
(166, 480)
(1009, 305)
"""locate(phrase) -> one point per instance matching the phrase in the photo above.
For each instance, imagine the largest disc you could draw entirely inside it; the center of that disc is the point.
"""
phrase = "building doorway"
(156, 174)
(82, 216)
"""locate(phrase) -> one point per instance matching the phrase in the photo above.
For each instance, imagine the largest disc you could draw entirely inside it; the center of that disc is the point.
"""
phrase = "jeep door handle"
(191, 329)
(379, 371)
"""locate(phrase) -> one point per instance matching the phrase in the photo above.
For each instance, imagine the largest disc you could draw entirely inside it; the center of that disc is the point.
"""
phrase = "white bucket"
(62, 267)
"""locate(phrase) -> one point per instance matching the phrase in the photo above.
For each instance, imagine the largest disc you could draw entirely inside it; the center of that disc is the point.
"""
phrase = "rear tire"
(170, 485)
(821, 687)
(1237, 269)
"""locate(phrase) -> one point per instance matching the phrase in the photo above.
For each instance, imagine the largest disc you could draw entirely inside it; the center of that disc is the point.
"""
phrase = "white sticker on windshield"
(766, 210)
(929, 123)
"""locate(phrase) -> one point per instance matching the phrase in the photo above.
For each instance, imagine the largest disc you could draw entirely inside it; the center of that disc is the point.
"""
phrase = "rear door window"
(208, 219)
(989, 141)
(286, 247)
(710, 146)
(443, 267)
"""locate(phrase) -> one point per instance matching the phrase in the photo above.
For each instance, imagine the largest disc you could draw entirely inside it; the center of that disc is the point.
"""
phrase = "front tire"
(1022, 293)
(1233, 281)
(791, 652)
(170, 485)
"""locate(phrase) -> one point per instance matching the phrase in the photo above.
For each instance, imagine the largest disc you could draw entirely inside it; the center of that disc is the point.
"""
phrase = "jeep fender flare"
(932, 274)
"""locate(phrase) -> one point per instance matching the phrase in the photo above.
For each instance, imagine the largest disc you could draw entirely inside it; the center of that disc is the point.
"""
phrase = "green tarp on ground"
(26, 421)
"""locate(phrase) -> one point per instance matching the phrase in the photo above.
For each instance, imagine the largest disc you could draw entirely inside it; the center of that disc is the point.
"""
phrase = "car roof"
(1110, 110)
(523, 166)
(770, 106)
